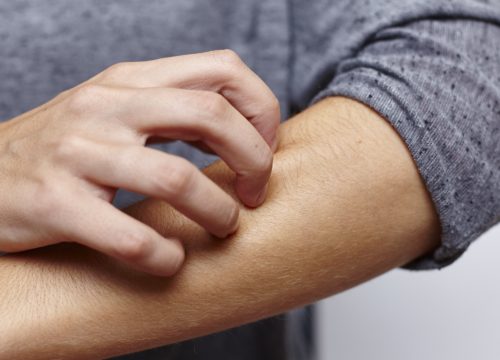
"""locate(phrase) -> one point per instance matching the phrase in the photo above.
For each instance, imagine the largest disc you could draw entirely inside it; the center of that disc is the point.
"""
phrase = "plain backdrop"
(450, 314)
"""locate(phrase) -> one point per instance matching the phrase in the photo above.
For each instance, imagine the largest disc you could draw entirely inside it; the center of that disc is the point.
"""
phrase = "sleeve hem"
(380, 99)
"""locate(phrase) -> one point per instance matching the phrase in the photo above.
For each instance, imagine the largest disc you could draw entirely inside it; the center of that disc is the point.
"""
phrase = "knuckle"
(134, 246)
(227, 58)
(68, 147)
(118, 70)
(213, 104)
(86, 98)
(175, 179)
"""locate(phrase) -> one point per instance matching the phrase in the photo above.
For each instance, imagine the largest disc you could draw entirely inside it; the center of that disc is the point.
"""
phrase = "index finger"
(220, 71)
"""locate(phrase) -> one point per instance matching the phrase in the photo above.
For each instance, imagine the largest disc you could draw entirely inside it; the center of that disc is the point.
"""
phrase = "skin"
(345, 203)
(74, 152)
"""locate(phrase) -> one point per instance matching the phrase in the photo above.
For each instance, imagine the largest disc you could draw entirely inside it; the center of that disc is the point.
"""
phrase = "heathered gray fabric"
(432, 68)
(434, 73)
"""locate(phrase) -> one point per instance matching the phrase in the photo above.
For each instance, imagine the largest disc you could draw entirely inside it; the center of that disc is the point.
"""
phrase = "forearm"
(345, 204)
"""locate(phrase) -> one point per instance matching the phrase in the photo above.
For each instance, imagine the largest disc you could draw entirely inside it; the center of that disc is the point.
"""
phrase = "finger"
(97, 224)
(161, 175)
(195, 115)
(219, 71)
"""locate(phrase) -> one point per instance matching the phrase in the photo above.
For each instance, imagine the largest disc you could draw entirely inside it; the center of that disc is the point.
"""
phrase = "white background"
(452, 314)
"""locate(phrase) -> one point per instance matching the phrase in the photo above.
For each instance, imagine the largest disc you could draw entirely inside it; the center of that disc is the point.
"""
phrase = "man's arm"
(345, 204)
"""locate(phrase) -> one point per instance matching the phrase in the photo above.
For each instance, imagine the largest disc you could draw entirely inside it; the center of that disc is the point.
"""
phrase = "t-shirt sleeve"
(437, 81)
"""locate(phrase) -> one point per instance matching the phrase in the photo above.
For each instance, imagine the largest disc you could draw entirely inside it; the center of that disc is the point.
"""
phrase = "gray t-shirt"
(431, 68)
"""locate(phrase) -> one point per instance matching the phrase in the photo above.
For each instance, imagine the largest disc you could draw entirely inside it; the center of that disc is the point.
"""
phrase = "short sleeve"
(437, 81)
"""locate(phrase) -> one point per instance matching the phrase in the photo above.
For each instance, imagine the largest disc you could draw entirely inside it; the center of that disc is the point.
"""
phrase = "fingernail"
(234, 222)
(274, 144)
(262, 195)
(177, 260)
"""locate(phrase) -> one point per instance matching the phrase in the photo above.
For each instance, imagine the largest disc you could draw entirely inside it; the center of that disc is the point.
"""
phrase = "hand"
(61, 163)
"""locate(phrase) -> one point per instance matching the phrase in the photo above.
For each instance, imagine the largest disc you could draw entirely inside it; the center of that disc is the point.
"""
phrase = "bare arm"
(345, 204)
